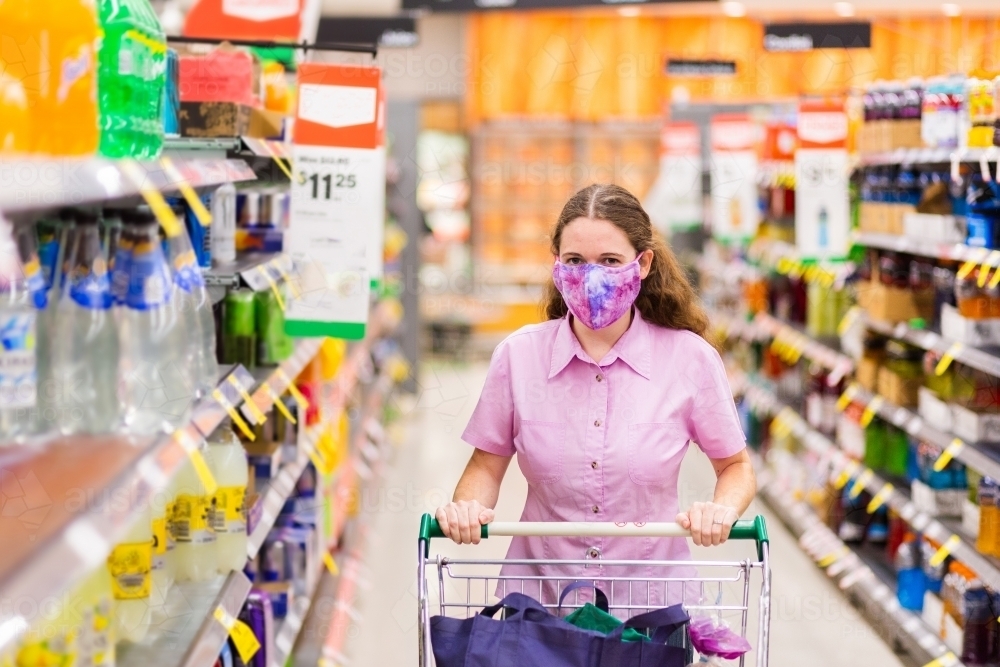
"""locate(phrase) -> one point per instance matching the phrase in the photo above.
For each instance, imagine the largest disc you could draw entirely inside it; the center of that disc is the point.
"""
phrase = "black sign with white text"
(386, 31)
(486, 5)
(682, 67)
(809, 36)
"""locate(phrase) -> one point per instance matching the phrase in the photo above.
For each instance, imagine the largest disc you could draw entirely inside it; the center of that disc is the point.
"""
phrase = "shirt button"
(594, 553)
(600, 378)
(595, 509)
(597, 422)
(593, 464)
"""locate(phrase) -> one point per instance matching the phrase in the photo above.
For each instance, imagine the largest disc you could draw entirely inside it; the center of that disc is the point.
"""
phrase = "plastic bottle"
(989, 518)
(130, 565)
(15, 113)
(195, 309)
(132, 77)
(162, 574)
(274, 345)
(65, 122)
(53, 636)
(911, 579)
(21, 296)
(190, 523)
(228, 462)
(239, 342)
(157, 376)
(58, 236)
(224, 224)
(85, 345)
(979, 639)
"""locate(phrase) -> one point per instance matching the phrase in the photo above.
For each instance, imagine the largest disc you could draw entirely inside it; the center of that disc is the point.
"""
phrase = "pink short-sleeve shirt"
(603, 441)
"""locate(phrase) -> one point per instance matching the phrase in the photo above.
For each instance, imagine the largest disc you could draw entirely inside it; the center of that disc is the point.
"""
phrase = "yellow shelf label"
(258, 415)
(846, 398)
(871, 410)
(944, 550)
(243, 638)
(860, 483)
(331, 564)
(950, 452)
(880, 498)
(949, 356)
(278, 403)
(234, 414)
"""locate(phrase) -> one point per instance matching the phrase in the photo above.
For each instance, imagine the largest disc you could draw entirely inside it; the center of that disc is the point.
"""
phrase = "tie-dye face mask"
(597, 295)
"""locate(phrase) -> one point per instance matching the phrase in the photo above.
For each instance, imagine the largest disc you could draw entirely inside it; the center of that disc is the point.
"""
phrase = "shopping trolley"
(701, 594)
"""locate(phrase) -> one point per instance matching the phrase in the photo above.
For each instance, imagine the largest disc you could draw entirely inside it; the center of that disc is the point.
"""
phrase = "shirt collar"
(635, 347)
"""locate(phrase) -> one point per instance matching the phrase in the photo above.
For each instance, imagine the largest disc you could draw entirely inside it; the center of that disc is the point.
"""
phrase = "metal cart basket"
(721, 588)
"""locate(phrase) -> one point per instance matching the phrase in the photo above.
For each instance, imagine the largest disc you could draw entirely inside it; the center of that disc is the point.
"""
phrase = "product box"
(938, 502)
(975, 426)
(897, 390)
(905, 134)
(933, 611)
(894, 304)
(265, 124)
(934, 227)
(281, 594)
(214, 119)
(227, 74)
(259, 239)
(977, 333)
(934, 411)
(970, 518)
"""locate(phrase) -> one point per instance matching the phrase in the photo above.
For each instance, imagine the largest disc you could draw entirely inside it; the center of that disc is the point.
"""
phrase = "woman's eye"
(572, 260)
(611, 261)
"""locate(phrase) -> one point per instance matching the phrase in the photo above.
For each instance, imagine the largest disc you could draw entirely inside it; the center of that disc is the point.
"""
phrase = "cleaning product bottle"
(65, 121)
(132, 76)
(85, 346)
(228, 462)
(157, 376)
(130, 564)
(191, 526)
(195, 309)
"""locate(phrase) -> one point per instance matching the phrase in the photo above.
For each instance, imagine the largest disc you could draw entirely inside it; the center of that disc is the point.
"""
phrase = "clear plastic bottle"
(130, 565)
(22, 294)
(196, 312)
(224, 224)
(228, 462)
(156, 374)
(85, 345)
(132, 66)
(190, 523)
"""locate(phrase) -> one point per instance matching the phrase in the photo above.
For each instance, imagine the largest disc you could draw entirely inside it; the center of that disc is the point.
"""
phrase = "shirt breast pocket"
(654, 450)
(541, 447)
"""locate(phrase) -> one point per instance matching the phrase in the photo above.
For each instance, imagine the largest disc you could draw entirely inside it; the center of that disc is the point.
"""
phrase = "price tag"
(278, 403)
(161, 209)
(190, 196)
(860, 483)
(278, 160)
(262, 269)
(944, 550)
(880, 498)
(293, 390)
(831, 558)
(871, 410)
(845, 475)
(846, 398)
(850, 317)
(221, 399)
(198, 461)
(950, 452)
(949, 659)
(280, 268)
(243, 638)
(258, 416)
(949, 356)
(992, 260)
(331, 564)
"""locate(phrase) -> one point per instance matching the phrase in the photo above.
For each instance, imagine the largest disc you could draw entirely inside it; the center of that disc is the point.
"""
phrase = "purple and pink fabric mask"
(595, 294)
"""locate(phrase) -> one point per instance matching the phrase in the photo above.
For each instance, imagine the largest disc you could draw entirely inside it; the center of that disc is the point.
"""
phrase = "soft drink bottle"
(191, 526)
(195, 309)
(228, 462)
(84, 354)
(130, 565)
(156, 373)
(65, 121)
(20, 280)
(132, 78)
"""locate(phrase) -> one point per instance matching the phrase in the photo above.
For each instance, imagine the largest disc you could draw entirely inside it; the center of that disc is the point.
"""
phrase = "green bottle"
(273, 344)
(131, 78)
(875, 444)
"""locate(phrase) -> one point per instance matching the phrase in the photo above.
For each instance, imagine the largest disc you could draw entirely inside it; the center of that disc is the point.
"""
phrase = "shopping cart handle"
(752, 529)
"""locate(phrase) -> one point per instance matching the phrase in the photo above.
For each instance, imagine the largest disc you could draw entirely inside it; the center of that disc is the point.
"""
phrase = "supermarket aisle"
(810, 616)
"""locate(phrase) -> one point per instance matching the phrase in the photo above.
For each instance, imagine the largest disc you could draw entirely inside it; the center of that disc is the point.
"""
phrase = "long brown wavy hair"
(666, 297)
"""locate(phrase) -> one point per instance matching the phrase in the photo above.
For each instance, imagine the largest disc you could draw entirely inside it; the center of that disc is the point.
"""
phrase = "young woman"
(600, 402)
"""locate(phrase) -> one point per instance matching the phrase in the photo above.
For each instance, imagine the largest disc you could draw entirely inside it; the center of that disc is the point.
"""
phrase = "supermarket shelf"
(37, 185)
(266, 148)
(62, 516)
(247, 271)
(217, 148)
(275, 381)
(928, 340)
(971, 454)
(958, 252)
(189, 629)
(929, 156)
(898, 499)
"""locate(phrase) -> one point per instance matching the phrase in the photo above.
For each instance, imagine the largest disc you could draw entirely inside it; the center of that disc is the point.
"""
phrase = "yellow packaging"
(191, 519)
(331, 356)
(130, 566)
(229, 513)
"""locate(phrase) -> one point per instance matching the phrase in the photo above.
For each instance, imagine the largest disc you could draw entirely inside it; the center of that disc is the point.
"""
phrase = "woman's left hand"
(709, 523)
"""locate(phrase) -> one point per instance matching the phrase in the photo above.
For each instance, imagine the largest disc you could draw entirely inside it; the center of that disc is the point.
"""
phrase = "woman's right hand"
(461, 520)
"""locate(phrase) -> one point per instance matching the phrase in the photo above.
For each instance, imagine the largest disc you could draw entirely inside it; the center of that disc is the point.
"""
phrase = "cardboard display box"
(893, 304)
(935, 228)
(214, 119)
(895, 389)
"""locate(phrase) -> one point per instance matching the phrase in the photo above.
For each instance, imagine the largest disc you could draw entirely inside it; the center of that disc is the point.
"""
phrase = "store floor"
(810, 617)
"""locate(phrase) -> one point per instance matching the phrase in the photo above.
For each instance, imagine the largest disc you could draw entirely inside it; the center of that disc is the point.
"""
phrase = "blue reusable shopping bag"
(529, 636)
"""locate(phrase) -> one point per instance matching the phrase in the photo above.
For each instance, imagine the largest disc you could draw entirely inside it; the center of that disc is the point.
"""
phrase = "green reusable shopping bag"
(589, 617)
